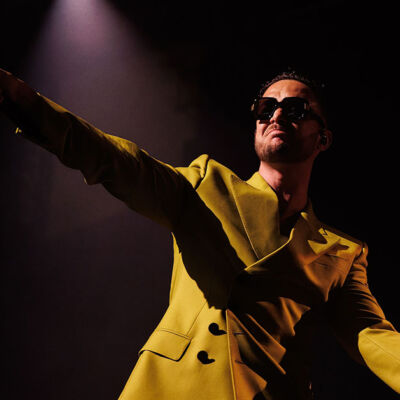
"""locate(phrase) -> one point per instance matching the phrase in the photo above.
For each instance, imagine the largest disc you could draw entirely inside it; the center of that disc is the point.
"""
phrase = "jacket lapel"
(309, 239)
(257, 204)
(258, 209)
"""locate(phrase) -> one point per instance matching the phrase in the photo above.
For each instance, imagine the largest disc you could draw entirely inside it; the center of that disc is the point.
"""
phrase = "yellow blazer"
(227, 253)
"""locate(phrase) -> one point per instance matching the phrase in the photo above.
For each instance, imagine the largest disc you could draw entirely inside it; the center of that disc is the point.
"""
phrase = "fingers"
(4, 72)
(13, 89)
(3, 83)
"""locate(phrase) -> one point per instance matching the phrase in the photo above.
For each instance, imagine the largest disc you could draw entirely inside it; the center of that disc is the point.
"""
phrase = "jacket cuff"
(380, 349)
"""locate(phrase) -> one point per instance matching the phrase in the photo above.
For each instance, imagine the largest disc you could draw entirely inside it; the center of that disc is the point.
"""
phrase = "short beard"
(286, 153)
(279, 153)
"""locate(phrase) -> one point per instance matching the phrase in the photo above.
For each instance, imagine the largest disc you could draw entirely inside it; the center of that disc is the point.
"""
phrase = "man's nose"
(277, 116)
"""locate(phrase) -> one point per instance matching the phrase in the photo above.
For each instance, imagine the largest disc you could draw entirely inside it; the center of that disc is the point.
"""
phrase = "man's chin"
(279, 153)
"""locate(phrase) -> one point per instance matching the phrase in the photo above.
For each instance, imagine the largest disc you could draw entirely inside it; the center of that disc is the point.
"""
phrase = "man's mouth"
(277, 130)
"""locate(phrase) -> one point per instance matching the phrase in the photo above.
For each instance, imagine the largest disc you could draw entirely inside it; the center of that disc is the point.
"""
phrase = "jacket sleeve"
(147, 185)
(361, 327)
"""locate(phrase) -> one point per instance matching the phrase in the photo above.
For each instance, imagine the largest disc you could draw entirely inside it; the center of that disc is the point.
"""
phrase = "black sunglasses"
(293, 108)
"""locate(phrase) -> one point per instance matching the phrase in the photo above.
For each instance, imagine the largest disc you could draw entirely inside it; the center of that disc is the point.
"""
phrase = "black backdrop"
(84, 279)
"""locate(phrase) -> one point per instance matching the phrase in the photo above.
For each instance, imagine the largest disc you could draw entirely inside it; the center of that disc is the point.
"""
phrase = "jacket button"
(214, 329)
(203, 357)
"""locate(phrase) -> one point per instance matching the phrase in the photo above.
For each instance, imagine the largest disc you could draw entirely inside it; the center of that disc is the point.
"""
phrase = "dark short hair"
(317, 88)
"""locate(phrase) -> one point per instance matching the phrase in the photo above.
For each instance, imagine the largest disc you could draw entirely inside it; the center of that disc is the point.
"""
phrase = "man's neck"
(290, 183)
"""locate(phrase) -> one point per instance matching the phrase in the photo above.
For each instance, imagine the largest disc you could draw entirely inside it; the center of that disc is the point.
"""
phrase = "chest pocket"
(166, 343)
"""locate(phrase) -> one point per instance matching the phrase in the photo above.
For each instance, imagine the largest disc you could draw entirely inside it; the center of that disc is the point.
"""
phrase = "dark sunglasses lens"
(294, 108)
(265, 108)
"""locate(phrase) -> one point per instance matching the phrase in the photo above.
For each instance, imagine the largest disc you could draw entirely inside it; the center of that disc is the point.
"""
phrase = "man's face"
(279, 140)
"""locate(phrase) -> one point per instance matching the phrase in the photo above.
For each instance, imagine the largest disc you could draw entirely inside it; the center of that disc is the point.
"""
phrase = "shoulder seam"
(202, 178)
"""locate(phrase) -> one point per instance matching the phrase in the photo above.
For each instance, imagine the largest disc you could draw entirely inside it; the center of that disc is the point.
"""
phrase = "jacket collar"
(257, 204)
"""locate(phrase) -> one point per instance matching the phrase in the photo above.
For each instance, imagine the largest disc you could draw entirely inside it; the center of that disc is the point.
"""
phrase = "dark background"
(84, 280)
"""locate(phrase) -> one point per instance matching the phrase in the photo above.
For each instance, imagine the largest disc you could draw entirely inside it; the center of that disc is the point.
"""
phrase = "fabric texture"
(244, 300)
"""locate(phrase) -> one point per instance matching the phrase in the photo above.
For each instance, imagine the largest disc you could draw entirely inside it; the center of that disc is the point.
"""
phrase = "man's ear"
(325, 139)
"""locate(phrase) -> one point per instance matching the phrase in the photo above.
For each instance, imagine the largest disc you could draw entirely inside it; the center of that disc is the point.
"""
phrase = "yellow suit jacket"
(233, 275)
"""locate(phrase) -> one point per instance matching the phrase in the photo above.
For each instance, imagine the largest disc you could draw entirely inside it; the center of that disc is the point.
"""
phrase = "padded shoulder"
(342, 234)
(196, 170)
(357, 244)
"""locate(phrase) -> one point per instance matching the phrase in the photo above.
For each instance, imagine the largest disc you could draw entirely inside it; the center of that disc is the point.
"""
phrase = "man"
(254, 270)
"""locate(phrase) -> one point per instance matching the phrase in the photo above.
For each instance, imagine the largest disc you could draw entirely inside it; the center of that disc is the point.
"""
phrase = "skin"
(287, 150)
(21, 98)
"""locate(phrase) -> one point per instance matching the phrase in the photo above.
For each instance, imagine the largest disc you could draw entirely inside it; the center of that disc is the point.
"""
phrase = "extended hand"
(17, 99)
(3, 78)
(12, 88)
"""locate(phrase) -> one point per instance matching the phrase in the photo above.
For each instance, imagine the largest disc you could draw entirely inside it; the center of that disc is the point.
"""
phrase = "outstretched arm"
(145, 184)
(362, 328)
